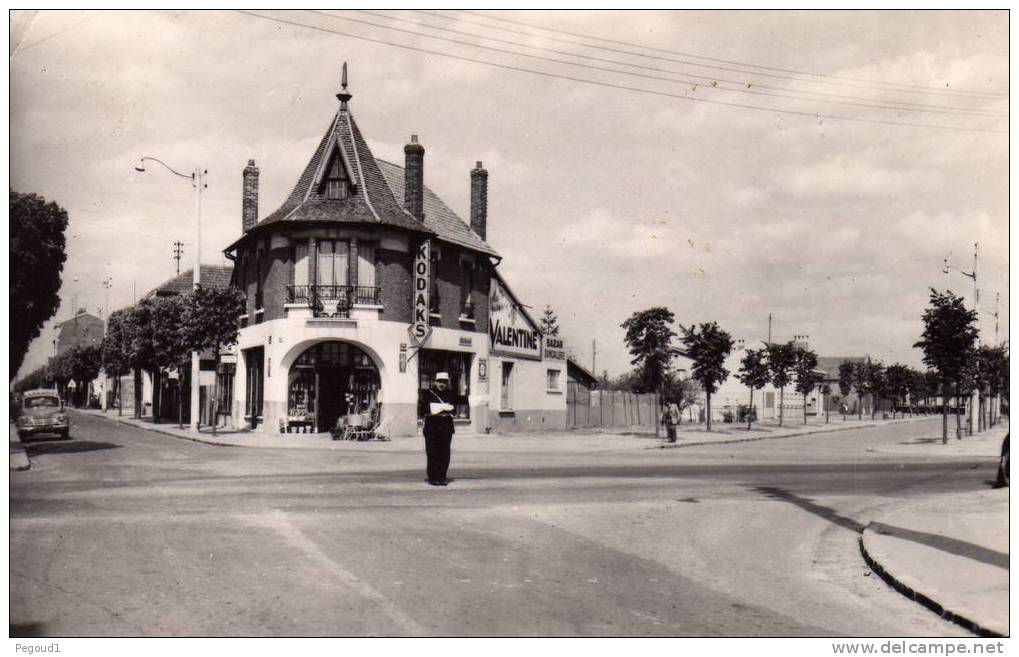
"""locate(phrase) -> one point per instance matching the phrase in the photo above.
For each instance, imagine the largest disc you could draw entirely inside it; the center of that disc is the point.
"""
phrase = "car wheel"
(65, 434)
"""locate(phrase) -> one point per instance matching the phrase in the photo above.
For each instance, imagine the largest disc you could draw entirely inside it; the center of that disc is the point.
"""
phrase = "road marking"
(279, 523)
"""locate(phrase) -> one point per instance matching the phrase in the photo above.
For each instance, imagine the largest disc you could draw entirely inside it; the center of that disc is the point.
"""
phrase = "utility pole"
(594, 356)
(769, 328)
(107, 283)
(178, 251)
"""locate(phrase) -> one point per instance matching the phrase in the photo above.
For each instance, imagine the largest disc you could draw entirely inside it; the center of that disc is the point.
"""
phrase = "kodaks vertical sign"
(420, 328)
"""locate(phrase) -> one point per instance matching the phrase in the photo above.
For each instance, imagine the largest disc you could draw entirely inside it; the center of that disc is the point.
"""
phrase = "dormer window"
(337, 184)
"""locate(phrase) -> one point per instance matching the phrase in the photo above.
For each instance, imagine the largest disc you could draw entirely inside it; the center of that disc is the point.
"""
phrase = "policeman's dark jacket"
(442, 421)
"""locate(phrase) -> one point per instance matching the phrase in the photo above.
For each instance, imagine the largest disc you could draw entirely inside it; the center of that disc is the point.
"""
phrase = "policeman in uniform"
(437, 406)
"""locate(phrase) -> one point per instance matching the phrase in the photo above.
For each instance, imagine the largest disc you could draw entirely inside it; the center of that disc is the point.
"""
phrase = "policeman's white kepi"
(442, 376)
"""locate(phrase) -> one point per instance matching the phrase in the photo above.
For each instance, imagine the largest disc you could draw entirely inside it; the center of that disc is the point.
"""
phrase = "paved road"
(123, 532)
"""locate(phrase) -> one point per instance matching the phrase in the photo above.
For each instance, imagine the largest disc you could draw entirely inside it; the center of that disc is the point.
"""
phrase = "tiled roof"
(830, 364)
(80, 315)
(438, 216)
(372, 202)
(211, 276)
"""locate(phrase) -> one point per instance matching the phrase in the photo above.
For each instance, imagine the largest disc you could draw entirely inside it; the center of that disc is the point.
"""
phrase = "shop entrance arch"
(329, 381)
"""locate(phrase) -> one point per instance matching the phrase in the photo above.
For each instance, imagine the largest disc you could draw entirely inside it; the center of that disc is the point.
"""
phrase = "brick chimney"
(414, 178)
(479, 201)
(249, 197)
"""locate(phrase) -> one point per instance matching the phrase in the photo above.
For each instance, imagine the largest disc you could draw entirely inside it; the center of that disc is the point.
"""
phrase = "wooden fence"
(609, 408)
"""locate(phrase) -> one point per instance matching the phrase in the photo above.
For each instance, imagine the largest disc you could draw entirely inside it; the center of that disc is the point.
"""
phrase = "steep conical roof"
(371, 202)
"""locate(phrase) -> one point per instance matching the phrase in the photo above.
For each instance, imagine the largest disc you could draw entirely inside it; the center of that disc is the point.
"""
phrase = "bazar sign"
(508, 327)
(555, 349)
(419, 328)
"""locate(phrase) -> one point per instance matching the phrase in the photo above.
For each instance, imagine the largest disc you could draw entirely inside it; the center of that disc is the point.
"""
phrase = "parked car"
(42, 412)
(1003, 464)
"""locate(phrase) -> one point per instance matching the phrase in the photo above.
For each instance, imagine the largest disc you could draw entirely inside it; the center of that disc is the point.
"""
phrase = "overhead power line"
(900, 85)
(741, 86)
(812, 115)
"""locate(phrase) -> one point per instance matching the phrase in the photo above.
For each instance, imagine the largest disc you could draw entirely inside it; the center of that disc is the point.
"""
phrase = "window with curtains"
(332, 262)
(258, 279)
(466, 287)
(366, 264)
(433, 276)
(301, 264)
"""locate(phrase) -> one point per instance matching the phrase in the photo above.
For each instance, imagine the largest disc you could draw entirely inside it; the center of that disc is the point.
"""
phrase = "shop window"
(458, 365)
(253, 359)
(331, 382)
(506, 398)
(552, 380)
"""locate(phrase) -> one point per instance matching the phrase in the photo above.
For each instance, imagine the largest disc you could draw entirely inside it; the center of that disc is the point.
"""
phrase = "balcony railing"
(333, 300)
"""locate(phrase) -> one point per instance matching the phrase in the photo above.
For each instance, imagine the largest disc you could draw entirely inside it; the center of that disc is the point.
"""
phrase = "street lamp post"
(197, 178)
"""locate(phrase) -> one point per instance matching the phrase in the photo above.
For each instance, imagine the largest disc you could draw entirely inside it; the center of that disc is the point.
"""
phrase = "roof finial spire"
(344, 96)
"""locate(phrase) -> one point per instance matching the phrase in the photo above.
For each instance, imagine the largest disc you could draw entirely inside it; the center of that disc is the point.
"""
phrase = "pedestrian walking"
(437, 408)
(670, 418)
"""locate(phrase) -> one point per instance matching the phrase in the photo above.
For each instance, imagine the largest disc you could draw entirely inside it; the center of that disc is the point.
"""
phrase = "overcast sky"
(739, 187)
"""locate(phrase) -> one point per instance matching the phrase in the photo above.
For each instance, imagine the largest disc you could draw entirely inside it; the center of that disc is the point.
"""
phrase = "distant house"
(82, 330)
(577, 374)
(167, 404)
(211, 276)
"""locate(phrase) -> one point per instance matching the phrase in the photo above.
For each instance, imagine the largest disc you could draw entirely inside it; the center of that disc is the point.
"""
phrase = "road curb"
(19, 457)
(919, 597)
(164, 432)
(734, 441)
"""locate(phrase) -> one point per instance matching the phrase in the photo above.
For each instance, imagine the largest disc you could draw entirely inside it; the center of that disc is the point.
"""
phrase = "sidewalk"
(615, 439)
(949, 552)
(19, 459)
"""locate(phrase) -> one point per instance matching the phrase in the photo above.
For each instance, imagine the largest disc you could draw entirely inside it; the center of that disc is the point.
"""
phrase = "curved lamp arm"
(141, 168)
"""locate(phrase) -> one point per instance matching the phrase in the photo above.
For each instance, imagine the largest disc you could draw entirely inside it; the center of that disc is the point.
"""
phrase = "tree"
(116, 350)
(781, 360)
(898, 381)
(86, 361)
(754, 374)
(875, 373)
(649, 337)
(37, 258)
(549, 322)
(861, 378)
(708, 350)
(847, 373)
(170, 347)
(807, 377)
(682, 392)
(947, 343)
(997, 377)
(210, 322)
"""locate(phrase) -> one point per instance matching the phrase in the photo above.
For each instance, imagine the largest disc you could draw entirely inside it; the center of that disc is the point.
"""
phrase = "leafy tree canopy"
(754, 370)
(708, 348)
(781, 361)
(949, 335)
(37, 256)
(649, 337)
(805, 369)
